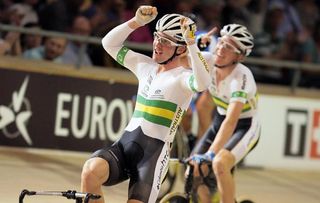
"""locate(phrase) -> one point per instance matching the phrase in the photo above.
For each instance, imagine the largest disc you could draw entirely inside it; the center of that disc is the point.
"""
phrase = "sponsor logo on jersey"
(150, 79)
(157, 94)
(157, 91)
(244, 81)
(203, 60)
(163, 166)
(176, 121)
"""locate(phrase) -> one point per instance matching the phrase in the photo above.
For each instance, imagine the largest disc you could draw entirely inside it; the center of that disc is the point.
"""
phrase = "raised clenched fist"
(145, 14)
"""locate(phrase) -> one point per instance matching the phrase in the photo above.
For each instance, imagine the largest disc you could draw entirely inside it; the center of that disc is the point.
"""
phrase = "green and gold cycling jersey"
(162, 97)
(239, 86)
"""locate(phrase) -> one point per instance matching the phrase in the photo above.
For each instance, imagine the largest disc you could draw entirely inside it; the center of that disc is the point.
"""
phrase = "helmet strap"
(171, 58)
(226, 65)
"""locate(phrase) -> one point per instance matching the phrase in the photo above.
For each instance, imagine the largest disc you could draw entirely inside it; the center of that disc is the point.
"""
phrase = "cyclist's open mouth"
(158, 52)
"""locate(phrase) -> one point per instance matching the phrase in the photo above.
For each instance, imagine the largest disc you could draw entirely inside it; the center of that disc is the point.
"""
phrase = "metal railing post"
(81, 55)
(296, 79)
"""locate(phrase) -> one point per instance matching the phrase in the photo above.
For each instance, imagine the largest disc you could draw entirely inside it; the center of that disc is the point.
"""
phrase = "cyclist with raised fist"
(164, 93)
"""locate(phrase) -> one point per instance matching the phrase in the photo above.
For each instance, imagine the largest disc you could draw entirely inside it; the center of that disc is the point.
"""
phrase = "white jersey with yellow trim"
(239, 86)
(163, 97)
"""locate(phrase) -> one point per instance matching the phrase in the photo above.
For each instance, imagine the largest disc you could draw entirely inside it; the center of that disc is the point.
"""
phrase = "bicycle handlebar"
(189, 177)
(70, 194)
(186, 161)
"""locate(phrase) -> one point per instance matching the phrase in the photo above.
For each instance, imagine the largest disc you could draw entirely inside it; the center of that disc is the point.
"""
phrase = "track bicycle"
(189, 195)
(79, 197)
(175, 174)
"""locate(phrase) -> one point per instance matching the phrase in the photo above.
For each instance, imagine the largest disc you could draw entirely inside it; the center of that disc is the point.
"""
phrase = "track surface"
(41, 170)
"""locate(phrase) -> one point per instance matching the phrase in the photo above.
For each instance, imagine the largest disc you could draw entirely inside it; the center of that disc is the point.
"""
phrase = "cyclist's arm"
(205, 107)
(228, 126)
(112, 42)
(239, 96)
(200, 79)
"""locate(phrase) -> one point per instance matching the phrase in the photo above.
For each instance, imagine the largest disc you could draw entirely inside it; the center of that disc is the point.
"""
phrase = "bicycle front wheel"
(246, 201)
(175, 197)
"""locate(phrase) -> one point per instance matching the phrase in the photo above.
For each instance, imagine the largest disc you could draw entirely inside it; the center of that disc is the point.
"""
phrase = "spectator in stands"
(58, 15)
(4, 47)
(210, 14)
(257, 14)
(236, 11)
(309, 15)
(311, 78)
(30, 41)
(317, 40)
(10, 44)
(97, 12)
(272, 44)
(142, 34)
(104, 15)
(52, 50)
(80, 26)
(308, 12)
(307, 49)
(4, 5)
(290, 21)
(19, 14)
(29, 14)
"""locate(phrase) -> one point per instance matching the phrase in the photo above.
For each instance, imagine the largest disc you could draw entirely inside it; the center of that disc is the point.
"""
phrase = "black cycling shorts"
(142, 159)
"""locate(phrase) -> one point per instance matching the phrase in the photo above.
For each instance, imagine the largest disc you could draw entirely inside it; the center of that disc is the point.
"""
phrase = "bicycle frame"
(189, 183)
(70, 194)
(188, 195)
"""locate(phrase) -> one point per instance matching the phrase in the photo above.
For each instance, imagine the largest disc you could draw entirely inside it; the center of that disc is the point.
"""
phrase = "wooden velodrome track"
(54, 171)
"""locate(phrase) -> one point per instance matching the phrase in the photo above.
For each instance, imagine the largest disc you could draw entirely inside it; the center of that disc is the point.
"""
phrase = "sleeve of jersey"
(239, 89)
(200, 79)
(209, 59)
(112, 42)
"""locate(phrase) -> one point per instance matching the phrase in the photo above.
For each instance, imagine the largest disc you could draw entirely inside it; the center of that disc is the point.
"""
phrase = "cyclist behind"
(164, 93)
(235, 128)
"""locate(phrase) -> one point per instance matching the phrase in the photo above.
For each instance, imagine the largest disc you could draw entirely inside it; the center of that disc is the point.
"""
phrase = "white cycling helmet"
(169, 24)
(240, 35)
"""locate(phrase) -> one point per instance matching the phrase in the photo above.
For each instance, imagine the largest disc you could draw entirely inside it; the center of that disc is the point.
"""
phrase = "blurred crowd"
(283, 29)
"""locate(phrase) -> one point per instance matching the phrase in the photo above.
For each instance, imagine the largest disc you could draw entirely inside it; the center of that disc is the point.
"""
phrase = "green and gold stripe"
(156, 111)
(219, 102)
(239, 94)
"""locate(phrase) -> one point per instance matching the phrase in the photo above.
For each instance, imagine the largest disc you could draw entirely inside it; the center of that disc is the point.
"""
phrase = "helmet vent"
(169, 19)
(238, 35)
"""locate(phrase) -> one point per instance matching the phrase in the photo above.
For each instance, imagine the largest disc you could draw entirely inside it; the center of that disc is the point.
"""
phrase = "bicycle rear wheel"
(175, 197)
(244, 199)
